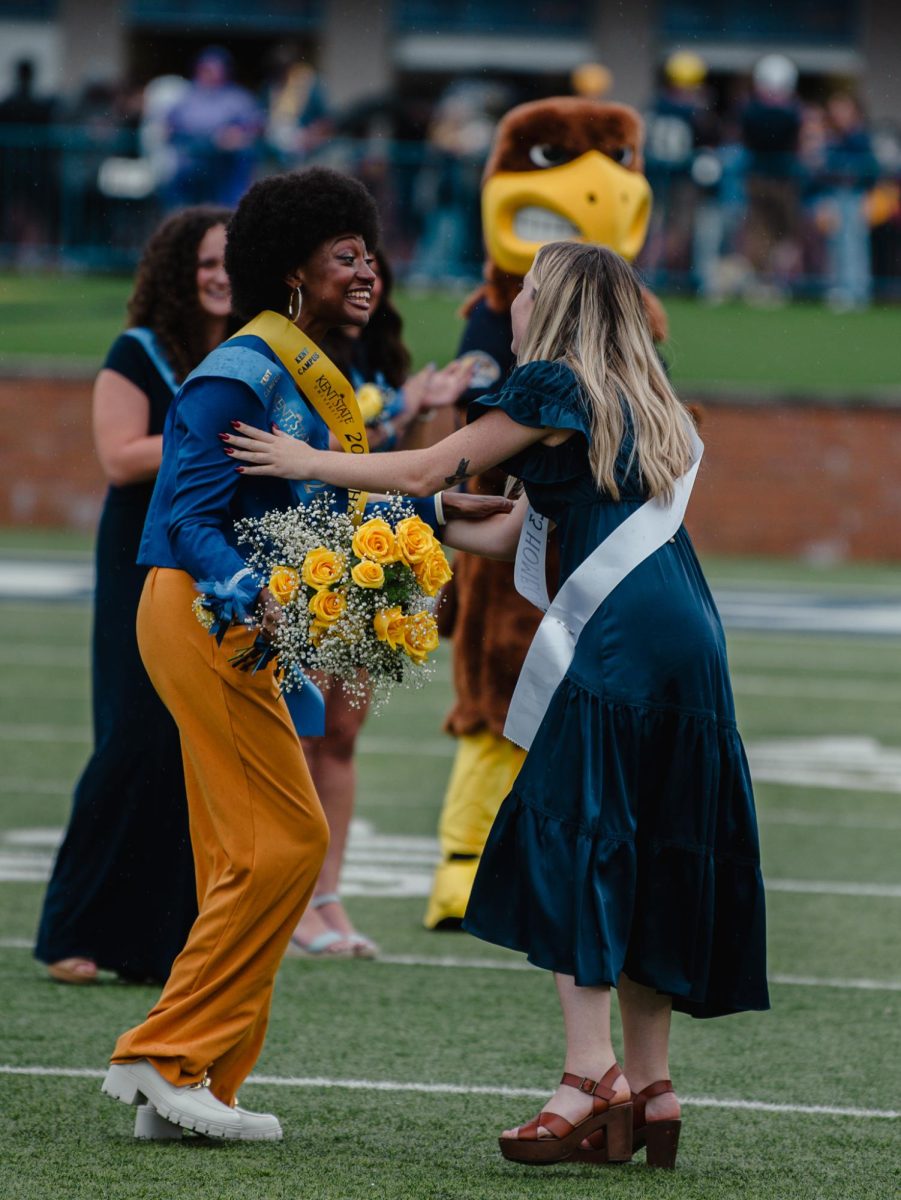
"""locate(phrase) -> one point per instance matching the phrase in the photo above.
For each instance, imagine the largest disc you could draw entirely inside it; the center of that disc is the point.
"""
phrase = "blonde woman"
(627, 853)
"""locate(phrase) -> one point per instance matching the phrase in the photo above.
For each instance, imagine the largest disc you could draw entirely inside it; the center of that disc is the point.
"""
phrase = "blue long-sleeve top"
(199, 495)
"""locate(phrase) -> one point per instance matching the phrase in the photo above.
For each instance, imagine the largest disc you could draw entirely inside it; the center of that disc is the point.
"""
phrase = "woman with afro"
(398, 408)
(103, 908)
(298, 244)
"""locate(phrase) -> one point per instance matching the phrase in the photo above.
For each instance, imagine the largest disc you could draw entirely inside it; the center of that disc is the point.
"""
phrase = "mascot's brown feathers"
(492, 624)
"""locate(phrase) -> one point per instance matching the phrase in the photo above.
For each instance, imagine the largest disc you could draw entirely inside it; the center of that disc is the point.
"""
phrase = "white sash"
(554, 644)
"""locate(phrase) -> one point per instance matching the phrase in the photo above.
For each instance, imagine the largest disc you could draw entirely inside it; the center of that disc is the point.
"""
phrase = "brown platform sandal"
(615, 1121)
(660, 1138)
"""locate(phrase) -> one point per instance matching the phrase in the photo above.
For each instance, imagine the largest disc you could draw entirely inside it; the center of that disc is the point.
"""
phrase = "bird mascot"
(561, 169)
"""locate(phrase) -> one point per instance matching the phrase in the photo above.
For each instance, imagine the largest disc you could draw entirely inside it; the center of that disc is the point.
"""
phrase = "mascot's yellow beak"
(590, 199)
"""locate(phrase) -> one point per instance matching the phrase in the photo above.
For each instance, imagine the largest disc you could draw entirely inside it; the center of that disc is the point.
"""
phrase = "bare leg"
(331, 762)
(589, 1051)
(646, 1025)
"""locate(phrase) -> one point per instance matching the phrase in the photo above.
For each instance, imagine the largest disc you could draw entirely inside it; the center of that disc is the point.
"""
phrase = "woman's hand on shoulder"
(257, 452)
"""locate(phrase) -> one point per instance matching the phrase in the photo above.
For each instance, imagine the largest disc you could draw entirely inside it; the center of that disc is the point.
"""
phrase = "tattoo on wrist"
(460, 474)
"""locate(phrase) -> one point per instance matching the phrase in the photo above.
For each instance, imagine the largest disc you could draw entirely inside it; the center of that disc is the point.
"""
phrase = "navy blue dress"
(122, 891)
(629, 841)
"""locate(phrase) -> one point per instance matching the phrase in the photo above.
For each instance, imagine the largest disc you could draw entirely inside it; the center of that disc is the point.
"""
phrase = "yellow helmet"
(684, 68)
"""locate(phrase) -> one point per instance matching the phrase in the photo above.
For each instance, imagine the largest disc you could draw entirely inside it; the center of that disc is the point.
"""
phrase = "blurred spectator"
(297, 117)
(771, 124)
(101, 122)
(884, 207)
(459, 138)
(591, 80)
(214, 130)
(27, 167)
(812, 162)
(849, 172)
(680, 122)
(161, 95)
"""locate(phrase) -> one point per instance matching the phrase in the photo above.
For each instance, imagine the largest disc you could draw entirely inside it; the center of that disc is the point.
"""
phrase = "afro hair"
(280, 222)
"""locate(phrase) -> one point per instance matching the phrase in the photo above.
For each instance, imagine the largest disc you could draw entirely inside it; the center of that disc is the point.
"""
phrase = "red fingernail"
(229, 449)
(241, 469)
(235, 424)
(224, 436)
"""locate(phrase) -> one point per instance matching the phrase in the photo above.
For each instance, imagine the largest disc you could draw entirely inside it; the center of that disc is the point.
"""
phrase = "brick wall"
(49, 474)
(807, 479)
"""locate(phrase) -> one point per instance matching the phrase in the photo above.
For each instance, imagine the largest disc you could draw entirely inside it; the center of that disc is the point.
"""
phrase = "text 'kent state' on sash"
(322, 384)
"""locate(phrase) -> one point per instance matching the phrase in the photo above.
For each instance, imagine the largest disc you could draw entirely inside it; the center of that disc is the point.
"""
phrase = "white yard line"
(39, 654)
(817, 887)
(26, 785)
(392, 874)
(808, 818)
(43, 733)
(449, 962)
(875, 692)
(458, 1089)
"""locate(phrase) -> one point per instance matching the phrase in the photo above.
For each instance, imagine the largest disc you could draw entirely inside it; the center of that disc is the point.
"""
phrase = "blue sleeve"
(201, 515)
(543, 395)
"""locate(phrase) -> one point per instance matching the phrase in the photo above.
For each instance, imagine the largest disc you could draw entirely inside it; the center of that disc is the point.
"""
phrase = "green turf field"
(389, 1076)
(798, 349)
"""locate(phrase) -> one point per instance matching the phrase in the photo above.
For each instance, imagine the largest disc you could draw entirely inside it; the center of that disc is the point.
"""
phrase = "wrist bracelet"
(439, 509)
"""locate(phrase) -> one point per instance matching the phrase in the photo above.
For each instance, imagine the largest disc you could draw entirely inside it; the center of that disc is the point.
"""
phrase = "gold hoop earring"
(298, 295)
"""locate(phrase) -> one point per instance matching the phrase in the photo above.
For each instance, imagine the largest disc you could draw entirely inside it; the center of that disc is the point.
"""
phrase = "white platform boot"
(193, 1107)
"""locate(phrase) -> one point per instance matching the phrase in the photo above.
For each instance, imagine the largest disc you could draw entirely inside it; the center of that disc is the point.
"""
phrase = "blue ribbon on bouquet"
(305, 702)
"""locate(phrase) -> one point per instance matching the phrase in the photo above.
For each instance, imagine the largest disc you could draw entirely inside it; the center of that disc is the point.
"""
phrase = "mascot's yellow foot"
(450, 893)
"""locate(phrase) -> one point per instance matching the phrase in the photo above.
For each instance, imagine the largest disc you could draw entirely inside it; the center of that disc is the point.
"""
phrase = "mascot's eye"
(622, 155)
(546, 155)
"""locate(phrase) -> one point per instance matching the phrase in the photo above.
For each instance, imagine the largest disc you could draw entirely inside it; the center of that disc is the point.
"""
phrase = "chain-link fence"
(722, 226)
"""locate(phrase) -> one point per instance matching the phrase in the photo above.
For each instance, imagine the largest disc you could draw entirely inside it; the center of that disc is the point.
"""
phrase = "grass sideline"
(801, 348)
(484, 1027)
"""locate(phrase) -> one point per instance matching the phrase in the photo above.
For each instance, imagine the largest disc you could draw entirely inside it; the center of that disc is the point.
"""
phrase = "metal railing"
(86, 197)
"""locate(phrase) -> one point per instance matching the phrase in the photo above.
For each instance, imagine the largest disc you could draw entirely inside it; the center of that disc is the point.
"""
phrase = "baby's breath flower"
(348, 646)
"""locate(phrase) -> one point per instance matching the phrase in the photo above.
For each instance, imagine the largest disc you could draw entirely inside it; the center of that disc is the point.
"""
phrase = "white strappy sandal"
(363, 947)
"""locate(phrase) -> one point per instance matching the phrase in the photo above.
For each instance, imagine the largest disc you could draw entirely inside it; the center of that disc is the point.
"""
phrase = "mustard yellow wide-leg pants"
(259, 838)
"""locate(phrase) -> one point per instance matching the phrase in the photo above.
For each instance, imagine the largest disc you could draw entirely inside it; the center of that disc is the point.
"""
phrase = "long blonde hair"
(589, 314)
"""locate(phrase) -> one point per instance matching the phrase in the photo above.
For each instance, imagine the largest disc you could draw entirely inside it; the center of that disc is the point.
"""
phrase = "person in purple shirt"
(214, 130)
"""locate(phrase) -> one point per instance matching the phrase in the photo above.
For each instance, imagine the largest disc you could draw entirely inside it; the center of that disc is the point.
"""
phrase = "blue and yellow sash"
(326, 389)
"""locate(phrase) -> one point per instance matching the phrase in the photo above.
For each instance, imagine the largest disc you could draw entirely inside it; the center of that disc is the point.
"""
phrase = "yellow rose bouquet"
(354, 598)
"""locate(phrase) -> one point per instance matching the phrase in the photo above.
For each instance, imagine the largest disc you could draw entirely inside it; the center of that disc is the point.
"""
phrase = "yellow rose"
(389, 625)
(283, 584)
(433, 572)
(370, 402)
(202, 613)
(322, 567)
(415, 540)
(375, 540)
(420, 636)
(368, 574)
(327, 606)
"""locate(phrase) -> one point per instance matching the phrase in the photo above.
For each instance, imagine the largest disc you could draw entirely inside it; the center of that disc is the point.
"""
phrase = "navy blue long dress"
(629, 841)
(122, 891)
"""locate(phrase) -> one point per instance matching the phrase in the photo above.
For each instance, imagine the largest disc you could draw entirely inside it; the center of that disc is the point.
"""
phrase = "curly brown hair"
(383, 335)
(164, 297)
